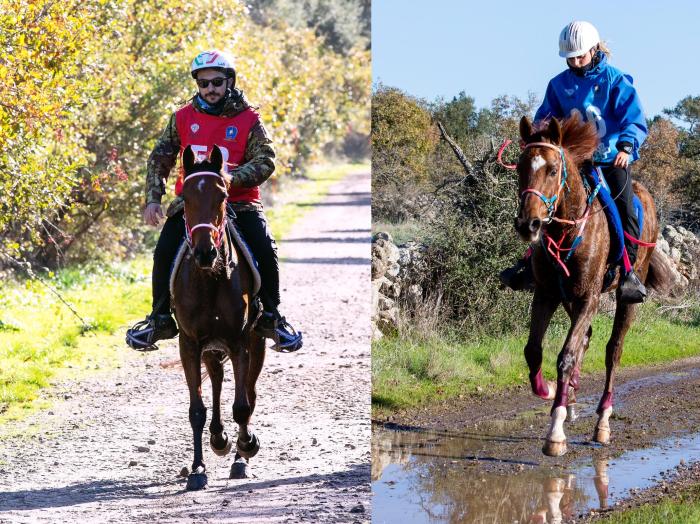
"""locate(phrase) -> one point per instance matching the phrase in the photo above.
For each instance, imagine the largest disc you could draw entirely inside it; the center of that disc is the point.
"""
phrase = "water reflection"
(449, 477)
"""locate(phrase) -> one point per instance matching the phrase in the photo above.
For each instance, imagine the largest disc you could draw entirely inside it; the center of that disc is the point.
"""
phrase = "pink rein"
(220, 230)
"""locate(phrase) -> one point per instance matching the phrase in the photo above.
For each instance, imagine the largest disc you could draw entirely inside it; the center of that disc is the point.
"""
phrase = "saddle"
(233, 238)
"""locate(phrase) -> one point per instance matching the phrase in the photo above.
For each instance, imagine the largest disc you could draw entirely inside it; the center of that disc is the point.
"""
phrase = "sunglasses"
(217, 82)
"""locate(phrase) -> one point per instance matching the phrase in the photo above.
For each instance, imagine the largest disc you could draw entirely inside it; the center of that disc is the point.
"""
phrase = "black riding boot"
(160, 325)
(630, 288)
(271, 324)
(519, 277)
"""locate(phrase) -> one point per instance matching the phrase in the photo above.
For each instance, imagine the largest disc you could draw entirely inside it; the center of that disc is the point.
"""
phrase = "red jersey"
(202, 131)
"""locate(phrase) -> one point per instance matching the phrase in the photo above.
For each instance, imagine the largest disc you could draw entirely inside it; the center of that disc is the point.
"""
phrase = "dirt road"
(111, 448)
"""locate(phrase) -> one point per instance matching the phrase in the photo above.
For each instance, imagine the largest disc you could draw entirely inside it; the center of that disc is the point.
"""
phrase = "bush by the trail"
(87, 86)
(403, 138)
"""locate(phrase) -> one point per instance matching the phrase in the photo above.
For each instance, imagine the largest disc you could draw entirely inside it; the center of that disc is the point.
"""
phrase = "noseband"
(549, 202)
(190, 230)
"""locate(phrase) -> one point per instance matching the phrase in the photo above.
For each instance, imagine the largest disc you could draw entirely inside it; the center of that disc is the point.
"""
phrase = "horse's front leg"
(247, 444)
(567, 363)
(190, 355)
(218, 439)
(571, 411)
(543, 307)
(624, 315)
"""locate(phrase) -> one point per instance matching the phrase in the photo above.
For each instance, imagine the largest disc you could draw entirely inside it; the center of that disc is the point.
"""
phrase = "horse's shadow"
(112, 490)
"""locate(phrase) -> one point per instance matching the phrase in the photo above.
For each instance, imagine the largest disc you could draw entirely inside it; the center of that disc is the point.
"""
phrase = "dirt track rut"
(111, 447)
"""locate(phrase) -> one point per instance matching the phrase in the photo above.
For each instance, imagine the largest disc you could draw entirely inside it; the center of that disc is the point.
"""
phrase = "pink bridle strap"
(203, 173)
(220, 230)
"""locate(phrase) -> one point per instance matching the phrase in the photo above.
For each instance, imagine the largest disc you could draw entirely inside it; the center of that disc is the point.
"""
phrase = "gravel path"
(111, 448)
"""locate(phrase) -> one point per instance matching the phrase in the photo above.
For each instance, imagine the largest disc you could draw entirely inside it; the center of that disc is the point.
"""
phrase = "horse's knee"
(198, 417)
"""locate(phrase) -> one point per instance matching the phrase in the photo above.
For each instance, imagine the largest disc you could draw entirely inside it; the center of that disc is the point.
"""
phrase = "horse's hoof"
(196, 481)
(571, 413)
(601, 435)
(554, 449)
(218, 448)
(240, 470)
(248, 449)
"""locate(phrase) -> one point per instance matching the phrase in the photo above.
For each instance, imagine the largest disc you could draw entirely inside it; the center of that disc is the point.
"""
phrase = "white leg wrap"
(604, 420)
(556, 429)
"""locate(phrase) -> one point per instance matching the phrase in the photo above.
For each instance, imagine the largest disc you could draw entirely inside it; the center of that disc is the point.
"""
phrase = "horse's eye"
(553, 171)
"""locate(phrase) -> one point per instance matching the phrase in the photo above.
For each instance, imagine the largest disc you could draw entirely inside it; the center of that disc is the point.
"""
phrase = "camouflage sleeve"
(259, 159)
(163, 158)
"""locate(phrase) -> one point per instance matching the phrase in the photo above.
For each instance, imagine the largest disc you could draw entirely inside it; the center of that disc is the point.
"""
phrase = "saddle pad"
(233, 235)
(617, 243)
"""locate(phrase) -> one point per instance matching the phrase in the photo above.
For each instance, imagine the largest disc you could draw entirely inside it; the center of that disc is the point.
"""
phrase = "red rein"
(499, 159)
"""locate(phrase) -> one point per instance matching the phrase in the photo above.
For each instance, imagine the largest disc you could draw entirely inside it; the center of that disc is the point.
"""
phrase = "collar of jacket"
(599, 62)
(234, 104)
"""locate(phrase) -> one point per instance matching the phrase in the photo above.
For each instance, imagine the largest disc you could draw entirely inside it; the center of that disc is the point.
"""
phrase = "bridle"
(549, 202)
(220, 230)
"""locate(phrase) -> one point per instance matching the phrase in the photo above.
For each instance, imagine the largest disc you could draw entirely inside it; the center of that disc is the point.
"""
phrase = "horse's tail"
(661, 277)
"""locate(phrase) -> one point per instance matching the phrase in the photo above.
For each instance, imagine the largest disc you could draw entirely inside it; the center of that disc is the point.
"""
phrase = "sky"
(486, 48)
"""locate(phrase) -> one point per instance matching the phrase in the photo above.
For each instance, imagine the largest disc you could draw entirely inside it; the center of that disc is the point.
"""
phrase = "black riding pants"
(620, 183)
(252, 225)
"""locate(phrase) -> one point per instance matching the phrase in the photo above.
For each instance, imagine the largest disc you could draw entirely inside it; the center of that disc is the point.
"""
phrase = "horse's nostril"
(535, 225)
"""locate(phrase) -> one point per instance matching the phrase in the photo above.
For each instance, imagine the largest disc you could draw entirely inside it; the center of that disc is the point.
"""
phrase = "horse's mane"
(579, 138)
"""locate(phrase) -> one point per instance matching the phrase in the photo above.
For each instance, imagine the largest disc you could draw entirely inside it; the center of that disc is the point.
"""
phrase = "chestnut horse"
(553, 209)
(214, 310)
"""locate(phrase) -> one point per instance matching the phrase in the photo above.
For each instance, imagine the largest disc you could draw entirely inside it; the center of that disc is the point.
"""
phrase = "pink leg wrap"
(562, 396)
(539, 386)
(605, 402)
(573, 381)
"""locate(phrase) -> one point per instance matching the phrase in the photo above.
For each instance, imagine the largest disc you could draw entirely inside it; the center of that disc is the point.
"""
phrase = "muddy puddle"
(426, 476)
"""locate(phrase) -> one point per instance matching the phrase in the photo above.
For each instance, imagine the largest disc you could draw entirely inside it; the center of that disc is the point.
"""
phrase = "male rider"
(218, 115)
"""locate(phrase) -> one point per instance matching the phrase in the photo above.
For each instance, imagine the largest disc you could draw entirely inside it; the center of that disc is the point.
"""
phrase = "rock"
(151, 442)
(184, 472)
(359, 508)
(382, 235)
(133, 463)
(143, 449)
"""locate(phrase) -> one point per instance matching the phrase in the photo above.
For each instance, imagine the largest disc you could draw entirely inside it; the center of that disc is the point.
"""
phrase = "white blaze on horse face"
(537, 163)
(556, 430)
(200, 185)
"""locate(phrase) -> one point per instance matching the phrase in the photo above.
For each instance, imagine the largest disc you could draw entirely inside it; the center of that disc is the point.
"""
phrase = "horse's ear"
(525, 128)
(216, 158)
(554, 131)
(188, 159)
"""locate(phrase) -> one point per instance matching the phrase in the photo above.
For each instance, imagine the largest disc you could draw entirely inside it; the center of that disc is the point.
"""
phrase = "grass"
(415, 368)
(41, 341)
(401, 232)
(684, 508)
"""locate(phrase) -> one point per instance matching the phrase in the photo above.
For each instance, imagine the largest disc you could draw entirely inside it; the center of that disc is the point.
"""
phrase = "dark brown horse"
(215, 310)
(553, 206)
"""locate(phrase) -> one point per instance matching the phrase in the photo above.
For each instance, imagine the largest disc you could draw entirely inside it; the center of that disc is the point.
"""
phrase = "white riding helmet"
(213, 58)
(577, 38)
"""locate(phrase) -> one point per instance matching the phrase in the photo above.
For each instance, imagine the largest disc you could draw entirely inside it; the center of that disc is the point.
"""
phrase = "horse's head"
(551, 154)
(539, 177)
(205, 189)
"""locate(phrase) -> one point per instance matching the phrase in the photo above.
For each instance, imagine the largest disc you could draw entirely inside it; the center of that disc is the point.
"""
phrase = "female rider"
(605, 96)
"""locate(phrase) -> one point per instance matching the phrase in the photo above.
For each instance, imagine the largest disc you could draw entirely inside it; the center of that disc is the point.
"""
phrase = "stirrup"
(287, 339)
(142, 335)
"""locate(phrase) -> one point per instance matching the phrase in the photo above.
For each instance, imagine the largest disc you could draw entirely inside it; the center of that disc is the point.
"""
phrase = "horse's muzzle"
(528, 228)
(205, 257)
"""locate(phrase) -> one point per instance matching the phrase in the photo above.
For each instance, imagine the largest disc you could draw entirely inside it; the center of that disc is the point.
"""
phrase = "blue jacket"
(604, 95)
